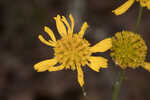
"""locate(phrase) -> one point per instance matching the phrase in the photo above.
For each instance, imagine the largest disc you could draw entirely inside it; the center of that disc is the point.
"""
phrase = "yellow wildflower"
(129, 50)
(123, 8)
(72, 51)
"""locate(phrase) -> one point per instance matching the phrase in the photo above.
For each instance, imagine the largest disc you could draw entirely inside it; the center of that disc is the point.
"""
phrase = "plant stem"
(84, 93)
(117, 85)
(139, 18)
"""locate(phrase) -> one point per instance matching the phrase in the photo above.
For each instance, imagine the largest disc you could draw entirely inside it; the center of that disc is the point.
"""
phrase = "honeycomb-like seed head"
(128, 49)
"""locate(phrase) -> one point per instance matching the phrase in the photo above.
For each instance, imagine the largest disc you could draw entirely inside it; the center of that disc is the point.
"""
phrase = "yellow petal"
(80, 76)
(43, 68)
(102, 46)
(123, 8)
(45, 41)
(56, 68)
(67, 24)
(146, 66)
(50, 33)
(148, 5)
(60, 26)
(97, 62)
(44, 65)
(72, 22)
(143, 4)
(83, 29)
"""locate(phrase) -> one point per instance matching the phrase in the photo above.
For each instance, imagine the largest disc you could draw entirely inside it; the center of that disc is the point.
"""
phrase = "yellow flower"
(72, 51)
(129, 50)
(123, 8)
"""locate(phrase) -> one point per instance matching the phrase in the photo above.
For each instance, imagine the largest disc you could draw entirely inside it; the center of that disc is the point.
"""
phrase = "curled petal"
(45, 65)
(49, 43)
(80, 76)
(83, 29)
(56, 68)
(97, 62)
(50, 33)
(146, 66)
(60, 26)
(72, 22)
(123, 8)
(102, 46)
(67, 24)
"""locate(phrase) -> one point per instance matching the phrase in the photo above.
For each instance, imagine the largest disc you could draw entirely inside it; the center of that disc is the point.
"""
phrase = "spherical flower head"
(72, 50)
(128, 49)
(123, 8)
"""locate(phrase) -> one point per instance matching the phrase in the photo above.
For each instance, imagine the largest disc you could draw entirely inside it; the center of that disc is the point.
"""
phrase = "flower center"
(128, 49)
(72, 50)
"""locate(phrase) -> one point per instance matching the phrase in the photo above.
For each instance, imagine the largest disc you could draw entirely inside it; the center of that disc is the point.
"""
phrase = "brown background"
(20, 49)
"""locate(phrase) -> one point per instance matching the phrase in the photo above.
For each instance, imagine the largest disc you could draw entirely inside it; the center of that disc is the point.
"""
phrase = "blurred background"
(22, 20)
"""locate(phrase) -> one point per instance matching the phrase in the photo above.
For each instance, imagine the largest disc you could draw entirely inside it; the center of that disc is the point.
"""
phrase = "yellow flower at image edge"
(129, 50)
(72, 51)
(123, 8)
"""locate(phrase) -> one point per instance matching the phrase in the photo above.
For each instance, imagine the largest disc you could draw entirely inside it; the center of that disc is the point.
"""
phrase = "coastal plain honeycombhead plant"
(72, 51)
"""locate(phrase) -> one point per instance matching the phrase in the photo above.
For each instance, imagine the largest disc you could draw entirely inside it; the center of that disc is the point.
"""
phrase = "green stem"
(117, 85)
(84, 93)
(139, 18)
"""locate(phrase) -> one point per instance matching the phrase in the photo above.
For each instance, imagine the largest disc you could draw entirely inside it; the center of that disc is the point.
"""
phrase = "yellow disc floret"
(128, 49)
(72, 50)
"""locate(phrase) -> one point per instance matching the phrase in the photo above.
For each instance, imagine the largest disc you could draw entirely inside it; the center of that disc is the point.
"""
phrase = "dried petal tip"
(128, 49)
